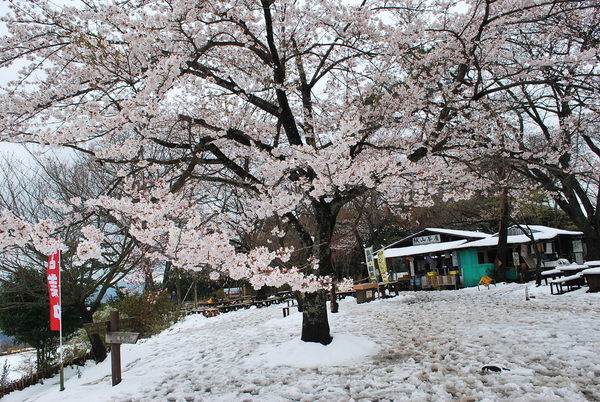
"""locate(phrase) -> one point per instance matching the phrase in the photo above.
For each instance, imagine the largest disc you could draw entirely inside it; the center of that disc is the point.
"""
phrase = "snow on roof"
(464, 233)
(451, 232)
(548, 230)
(422, 249)
(538, 232)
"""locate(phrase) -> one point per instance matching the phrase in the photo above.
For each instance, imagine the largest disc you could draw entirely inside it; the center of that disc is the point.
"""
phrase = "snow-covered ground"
(419, 346)
(18, 364)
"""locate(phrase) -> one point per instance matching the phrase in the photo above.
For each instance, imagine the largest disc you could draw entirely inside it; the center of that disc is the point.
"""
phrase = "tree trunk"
(167, 274)
(178, 292)
(315, 324)
(538, 268)
(592, 241)
(501, 261)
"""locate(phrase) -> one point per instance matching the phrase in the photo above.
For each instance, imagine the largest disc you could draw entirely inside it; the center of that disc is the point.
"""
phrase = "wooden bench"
(565, 284)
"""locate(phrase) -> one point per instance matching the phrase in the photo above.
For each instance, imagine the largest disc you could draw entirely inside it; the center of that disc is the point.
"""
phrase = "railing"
(227, 305)
(32, 379)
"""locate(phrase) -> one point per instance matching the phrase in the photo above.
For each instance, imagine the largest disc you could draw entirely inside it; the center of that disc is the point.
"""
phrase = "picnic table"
(572, 269)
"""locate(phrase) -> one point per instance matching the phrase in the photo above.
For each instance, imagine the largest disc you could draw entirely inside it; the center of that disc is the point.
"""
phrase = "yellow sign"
(385, 276)
(370, 264)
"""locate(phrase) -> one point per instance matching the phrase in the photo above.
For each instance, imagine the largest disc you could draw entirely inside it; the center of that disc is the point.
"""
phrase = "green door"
(471, 269)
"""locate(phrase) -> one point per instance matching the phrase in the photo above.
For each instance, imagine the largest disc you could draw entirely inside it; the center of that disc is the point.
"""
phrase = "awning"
(422, 249)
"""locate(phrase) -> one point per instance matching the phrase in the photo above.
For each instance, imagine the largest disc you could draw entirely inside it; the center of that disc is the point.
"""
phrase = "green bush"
(218, 294)
(153, 310)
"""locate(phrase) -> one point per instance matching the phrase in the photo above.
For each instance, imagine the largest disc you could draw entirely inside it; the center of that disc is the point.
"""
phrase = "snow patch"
(344, 350)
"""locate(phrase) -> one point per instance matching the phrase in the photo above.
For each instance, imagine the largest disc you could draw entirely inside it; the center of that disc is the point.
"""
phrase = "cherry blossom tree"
(549, 98)
(562, 114)
(515, 84)
(296, 107)
(280, 100)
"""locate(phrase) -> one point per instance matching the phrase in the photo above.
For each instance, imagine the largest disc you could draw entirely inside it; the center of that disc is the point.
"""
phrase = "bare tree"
(50, 189)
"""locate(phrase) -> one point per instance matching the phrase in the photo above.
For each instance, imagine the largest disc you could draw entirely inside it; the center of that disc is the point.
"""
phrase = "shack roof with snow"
(519, 234)
(431, 240)
(435, 251)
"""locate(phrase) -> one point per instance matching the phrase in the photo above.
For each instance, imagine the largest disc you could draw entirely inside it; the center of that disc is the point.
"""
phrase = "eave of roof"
(422, 249)
(538, 233)
(461, 233)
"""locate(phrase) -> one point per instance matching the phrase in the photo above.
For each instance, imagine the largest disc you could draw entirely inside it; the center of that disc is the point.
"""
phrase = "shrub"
(153, 310)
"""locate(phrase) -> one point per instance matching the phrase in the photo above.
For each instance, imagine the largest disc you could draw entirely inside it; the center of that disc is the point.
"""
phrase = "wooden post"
(62, 374)
(115, 349)
(114, 338)
(195, 292)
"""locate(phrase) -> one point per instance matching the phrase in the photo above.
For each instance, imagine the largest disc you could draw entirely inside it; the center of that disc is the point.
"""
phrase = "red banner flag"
(53, 279)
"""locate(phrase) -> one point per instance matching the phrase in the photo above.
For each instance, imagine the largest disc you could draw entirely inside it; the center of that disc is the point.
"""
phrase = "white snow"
(537, 232)
(419, 346)
(18, 364)
(422, 249)
(454, 232)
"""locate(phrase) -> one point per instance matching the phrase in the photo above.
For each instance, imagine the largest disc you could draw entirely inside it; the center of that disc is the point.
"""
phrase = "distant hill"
(6, 342)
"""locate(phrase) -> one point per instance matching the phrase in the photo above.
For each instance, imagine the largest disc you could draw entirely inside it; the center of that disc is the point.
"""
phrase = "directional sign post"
(115, 350)
(103, 327)
(116, 338)
(122, 337)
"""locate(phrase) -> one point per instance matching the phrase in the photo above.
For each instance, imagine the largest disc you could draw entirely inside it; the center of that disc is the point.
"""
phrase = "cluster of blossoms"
(91, 247)
(152, 297)
(174, 228)
(134, 283)
(16, 232)
(345, 285)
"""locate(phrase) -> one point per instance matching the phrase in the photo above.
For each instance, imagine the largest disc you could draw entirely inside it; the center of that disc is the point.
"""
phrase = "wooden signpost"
(103, 327)
(121, 337)
(115, 337)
